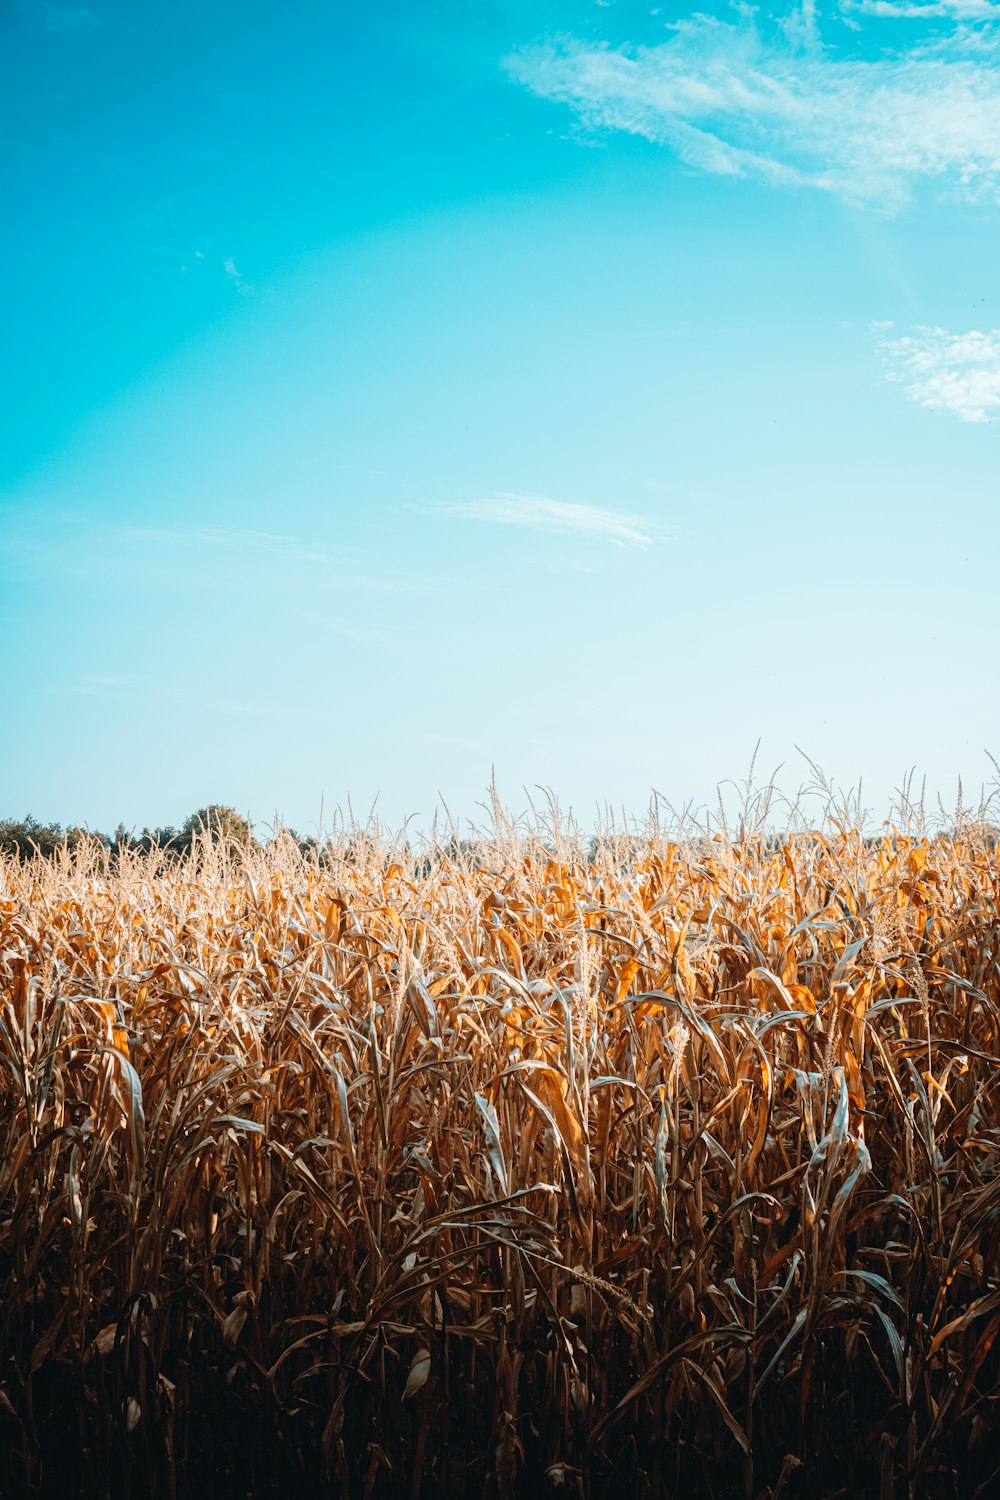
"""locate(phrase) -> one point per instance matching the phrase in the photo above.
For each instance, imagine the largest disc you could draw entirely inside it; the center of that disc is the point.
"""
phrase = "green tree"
(26, 836)
(222, 824)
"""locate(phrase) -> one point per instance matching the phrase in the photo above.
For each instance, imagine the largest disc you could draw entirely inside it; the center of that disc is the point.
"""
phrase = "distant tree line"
(26, 837)
(219, 824)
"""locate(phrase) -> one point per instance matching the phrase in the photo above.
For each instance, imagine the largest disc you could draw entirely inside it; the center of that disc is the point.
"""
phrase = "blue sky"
(587, 391)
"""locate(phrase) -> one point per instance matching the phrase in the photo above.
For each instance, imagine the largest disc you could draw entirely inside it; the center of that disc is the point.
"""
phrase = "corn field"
(663, 1168)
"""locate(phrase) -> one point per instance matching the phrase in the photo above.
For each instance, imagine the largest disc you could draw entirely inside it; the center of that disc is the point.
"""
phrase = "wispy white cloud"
(537, 513)
(76, 538)
(954, 372)
(124, 689)
(101, 685)
(285, 548)
(346, 631)
(63, 19)
(729, 98)
(923, 10)
(346, 564)
(244, 287)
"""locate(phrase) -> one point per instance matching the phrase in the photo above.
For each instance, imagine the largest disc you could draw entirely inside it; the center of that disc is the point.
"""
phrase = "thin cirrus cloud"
(347, 564)
(954, 372)
(730, 98)
(100, 685)
(924, 10)
(206, 539)
(61, 19)
(537, 513)
(237, 280)
(244, 287)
